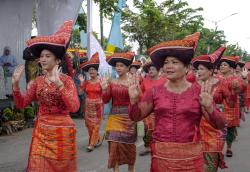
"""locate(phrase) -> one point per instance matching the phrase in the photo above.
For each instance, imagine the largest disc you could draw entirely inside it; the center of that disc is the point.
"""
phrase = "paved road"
(14, 152)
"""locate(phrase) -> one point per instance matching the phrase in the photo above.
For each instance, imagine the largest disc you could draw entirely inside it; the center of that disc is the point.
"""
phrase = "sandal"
(144, 152)
(90, 149)
(229, 153)
(99, 143)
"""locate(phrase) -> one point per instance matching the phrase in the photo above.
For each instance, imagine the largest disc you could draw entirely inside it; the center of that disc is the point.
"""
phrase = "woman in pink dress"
(212, 139)
(152, 80)
(178, 106)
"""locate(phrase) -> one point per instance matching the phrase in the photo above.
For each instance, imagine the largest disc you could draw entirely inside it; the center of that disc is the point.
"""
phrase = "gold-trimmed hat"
(93, 62)
(136, 64)
(231, 60)
(209, 60)
(125, 58)
(56, 43)
(181, 49)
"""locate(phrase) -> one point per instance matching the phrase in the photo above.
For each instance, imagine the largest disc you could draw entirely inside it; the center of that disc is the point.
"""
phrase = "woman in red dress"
(242, 96)
(133, 68)
(178, 106)
(93, 102)
(120, 130)
(152, 80)
(53, 146)
(229, 84)
(212, 139)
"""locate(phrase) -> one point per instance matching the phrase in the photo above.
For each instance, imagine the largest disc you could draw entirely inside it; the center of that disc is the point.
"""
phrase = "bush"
(8, 114)
(29, 113)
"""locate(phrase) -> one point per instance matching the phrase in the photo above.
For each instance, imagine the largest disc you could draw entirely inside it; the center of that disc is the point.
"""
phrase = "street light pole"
(89, 26)
(216, 27)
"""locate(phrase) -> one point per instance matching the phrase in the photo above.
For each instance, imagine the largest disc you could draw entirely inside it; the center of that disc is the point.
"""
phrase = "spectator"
(2, 85)
(9, 63)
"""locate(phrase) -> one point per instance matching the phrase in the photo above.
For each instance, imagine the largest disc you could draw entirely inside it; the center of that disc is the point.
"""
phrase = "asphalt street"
(14, 151)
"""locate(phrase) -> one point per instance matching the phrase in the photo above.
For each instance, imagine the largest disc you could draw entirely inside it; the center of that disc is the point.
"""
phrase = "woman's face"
(174, 68)
(225, 68)
(238, 69)
(153, 72)
(121, 68)
(92, 72)
(133, 70)
(203, 72)
(48, 60)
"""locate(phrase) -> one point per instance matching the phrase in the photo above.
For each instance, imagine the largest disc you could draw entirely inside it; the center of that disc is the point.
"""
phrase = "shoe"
(90, 149)
(144, 152)
(229, 153)
(98, 144)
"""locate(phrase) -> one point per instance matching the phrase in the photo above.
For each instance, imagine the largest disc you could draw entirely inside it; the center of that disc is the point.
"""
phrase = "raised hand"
(206, 98)
(134, 89)
(17, 75)
(244, 73)
(55, 77)
(81, 78)
(104, 83)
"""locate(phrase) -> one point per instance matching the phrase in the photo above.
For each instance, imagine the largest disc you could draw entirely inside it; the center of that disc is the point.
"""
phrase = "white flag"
(104, 68)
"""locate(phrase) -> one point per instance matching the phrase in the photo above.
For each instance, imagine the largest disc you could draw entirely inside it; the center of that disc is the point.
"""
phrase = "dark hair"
(126, 63)
(208, 65)
(230, 63)
(96, 67)
(185, 61)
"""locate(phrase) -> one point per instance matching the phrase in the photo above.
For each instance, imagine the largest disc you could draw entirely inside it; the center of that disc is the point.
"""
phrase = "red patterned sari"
(93, 110)
(53, 146)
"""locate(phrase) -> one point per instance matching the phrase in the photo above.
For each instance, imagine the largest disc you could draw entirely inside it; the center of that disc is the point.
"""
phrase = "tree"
(81, 21)
(209, 41)
(107, 8)
(236, 50)
(156, 23)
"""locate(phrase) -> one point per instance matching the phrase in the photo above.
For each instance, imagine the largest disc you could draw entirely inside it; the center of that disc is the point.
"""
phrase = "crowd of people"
(189, 113)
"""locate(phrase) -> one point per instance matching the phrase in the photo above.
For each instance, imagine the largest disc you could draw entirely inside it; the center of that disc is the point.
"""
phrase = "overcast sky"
(236, 27)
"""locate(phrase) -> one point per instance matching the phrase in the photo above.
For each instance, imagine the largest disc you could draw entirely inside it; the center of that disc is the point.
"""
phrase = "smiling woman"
(178, 107)
(53, 146)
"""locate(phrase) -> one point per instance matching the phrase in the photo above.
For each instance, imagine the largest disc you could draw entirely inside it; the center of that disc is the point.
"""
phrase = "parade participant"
(191, 75)
(133, 68)
(53, 146)
(120, 130)
(148, 83)
(93, 108)
(229, 84)
(32, 67)
(212, 139)
(68, 63)
(247, 94)
(178, 106)
(239, 68)
(242, 96)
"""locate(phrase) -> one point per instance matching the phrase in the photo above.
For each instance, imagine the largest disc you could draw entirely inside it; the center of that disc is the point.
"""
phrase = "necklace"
(49, 79)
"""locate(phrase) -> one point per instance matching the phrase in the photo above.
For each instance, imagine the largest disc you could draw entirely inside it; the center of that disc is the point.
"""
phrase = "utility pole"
(89, 26)
(216, 28)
